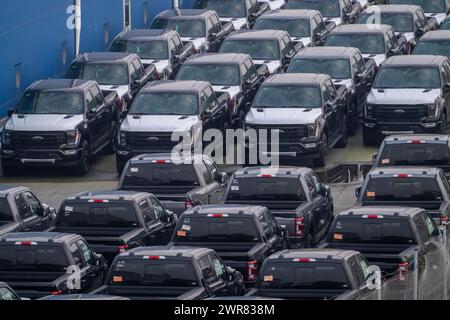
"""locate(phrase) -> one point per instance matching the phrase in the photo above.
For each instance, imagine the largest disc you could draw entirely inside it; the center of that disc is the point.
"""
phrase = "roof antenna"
(176, 7)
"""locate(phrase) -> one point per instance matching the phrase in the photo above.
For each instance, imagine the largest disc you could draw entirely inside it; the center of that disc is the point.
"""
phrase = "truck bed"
(298, 294)
(153, 293)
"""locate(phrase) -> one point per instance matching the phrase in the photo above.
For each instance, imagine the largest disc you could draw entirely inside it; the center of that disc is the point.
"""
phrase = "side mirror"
(176, 57)
(99, 100)
(359, 77)
(357, 192)
(205, 115)
(374, 157)
(447, 88)
(328, 106)
(46, 210)
(230, 274)
(91, 114)
(223, 177)
(327, 191)
(76, 261)
(10, 112)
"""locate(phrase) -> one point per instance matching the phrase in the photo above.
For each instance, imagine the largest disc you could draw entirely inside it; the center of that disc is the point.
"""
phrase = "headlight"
(313, 130)
(6, 137)
(122, 138)
(73, 137)
(433, 110)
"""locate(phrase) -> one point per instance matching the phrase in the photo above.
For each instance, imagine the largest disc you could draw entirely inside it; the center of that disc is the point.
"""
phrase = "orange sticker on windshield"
(385, 161)
(338, 236)
(181, 233)
(370, 194)
(268, 278)
(117, 279)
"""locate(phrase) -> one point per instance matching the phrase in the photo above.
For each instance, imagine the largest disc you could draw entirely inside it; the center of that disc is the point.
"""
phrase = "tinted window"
(147, 49)
(217, 75)
(426, 154)
(227, 9)
(295, 28)
(401, 22)
(88, 256)
(439, 48)
(186, 28)
(5, 211)
(165, 104)
(328, 8)
(7, 295)
(287, 96)
(367, 43)
(336, 68)
(408, 77)
(35, 258)
(106, 74)
(146, 211)
(22, 206)
(429, 6)
(257, 49)
(48, 102)
(213, 229)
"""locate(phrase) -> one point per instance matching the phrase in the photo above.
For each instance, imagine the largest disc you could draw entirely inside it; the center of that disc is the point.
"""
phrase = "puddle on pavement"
(344, 173)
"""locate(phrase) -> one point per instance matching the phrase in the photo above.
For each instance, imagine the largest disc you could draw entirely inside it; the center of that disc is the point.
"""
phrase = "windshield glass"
(336, 68)
(310, 276)
(401, 22)
(367, 43)
(379, 231)
(48, 102)
(402, 189)
(228, 8)
(328, 8)
(99, 215)
(429, 6)
(415, 155)
(437, 48)
(295, 28)
(161, 175)
(408, 77)
(158, 273)
(192, 28)
(106, 74)
(155, 50)
(217, 75)
(36, 258)
(165, 104)
(212, 229)
(257, 49)
(285, 96)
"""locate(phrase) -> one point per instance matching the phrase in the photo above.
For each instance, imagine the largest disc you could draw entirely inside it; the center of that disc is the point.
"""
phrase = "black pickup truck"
(233, 73)
(115, 221)
(243, 236)
(314, 274)
(38, 264)
(295, 196)
(388, 237)
(21, 210)
(179, 186)
(201, 27)
(419, 187)
(155, 273)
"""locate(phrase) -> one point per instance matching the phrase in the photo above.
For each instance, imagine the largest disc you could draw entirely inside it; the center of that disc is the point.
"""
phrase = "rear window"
(299, 275)
(365, 230)
(98, 215)
(5, 211)
(34, 258)
(402, 189)
(425, 154)
(212, 229)
(253, 189)
(167, 273)
(161, 175)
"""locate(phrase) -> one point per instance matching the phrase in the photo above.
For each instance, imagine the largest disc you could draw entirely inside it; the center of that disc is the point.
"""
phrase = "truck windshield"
(295, 27)
(286, 96)
(427, 154)
(158, 273)
(36, 258)
(217, 75)
(400, 22)
(160, 104)
(438, 48)
(51, 102)
(262, 189)
(408, 78)
(367, 43)
(225, 9)
(379, 231)
(298, 275)
(336, 68)
(5, 212)
(192, 28)
(429, 6)
(402, 189)
(106, 74)
(149, 174)
(101, 215)
(206, 229)
(328, 8)
(257, 49)
(155, 50)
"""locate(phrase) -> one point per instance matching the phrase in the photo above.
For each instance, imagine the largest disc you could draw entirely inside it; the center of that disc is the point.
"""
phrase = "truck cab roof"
(175, 86)
(6, 189)
(146, 34)
(297, 79)
(218, 58)
(436, 35)
(185, 14)
(395, 8)
(382, 210)
(415, 60)
(175, 252)
(69, 85)
(110, 195)
(280, 172)
(105, 57)
(317, 254)
(417, 138)
(416, 171)
(257, 35)
(362, 29)
(327, 52)
(291, 14)
(39, 237)
(231, 210)
(153, 157)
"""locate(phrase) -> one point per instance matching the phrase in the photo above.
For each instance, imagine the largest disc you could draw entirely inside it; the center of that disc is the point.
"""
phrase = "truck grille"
(286, 134)
(38, 140)
(151, 141)
(399, 113)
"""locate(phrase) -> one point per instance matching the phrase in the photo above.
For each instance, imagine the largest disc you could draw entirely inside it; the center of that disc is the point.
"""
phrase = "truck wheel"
(321, 160)
(353, 121)
(443, 129)
(369, 137)
(342, 143)
(111, 147)
(84, 163)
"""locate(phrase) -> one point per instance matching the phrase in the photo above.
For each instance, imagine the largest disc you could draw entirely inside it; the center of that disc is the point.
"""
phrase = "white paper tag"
(68, 209)
(186, 227)
(234, 188)
(134, 169)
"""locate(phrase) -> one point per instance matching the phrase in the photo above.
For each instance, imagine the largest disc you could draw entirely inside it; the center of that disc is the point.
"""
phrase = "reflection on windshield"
(288, 97)
(217, 75)
(226, 9)
(165, 104)
(106, 74)
(194, 28)
(48, 102)
(336, 68)
(367, 43)
(400, 22)
(429, 6)
(408, 77)
(296, 28)
(438, 48)
(328, 8)
(156, 50)
(257, 49)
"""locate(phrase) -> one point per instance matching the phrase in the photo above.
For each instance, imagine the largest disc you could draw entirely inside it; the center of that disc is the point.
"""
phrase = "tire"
(84, 163)
(342, 143)
(353, 121)
(320, 161)
(369, 138)
(111, 147)
(443, 129)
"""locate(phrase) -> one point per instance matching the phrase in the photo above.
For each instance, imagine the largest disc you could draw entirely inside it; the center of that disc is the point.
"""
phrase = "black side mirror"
(359, 77)
(223, 177)
(205, 115)
(328, 106)
(46, 210)
(99, 99)
(357, 192)
(327, 191)
(91, 114)
(10, 112)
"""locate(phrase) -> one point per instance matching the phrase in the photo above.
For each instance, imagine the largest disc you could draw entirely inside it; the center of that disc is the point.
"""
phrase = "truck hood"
(305, 40)
(160, 65)
(274, 4)
(379, 58)
(159, 123)
(338, 21)
(272, 65)
(348, 83)
(232, 91)
(120, 90)
(238, 23)
(283, 116)
(198, 42)
(403, 96)
(440, 17)
(44, 122)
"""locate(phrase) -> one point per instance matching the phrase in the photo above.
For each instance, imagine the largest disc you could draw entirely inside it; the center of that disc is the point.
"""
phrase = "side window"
(356, 270)
(133, 72)
(289, 47)
(320, 24)
(272, 225)
(95, 93)
(244, 72)
(326, 94)
(421, 228)
(392, 39)
(423, 20)
(317, 184)
(211, 97)
(157, 208)
(178, 44)
(23, 207)
(172, 48)
(447, 71)
(203, 102)
(206, 175)
(219, 268)
(265, 226)
(33, 202)
(331, 89)
(86, 252)
(90, 102)
(146, 210)
(355, 67)
(212, 169)
(360, 61)
(314, 26)
(254, 7)
(7, 295)
(206, 270)
(76, 254)
(364, 267)
(431, 227)
(311, 188)
(216, 24)
(139, 69)
(252, 74)
(209, 26)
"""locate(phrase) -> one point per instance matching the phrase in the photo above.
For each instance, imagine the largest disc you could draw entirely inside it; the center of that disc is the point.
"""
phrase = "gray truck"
(179, 183)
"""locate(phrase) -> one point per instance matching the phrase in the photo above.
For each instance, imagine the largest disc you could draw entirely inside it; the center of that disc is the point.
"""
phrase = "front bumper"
(388, 128)
(306, 149)
(40, 157)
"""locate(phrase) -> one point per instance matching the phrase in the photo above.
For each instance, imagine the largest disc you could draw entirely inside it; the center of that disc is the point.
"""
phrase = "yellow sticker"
(371, 194)
(181, 233)
(117, 279)
(385, 161)
(268, 278)
(338, 236)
